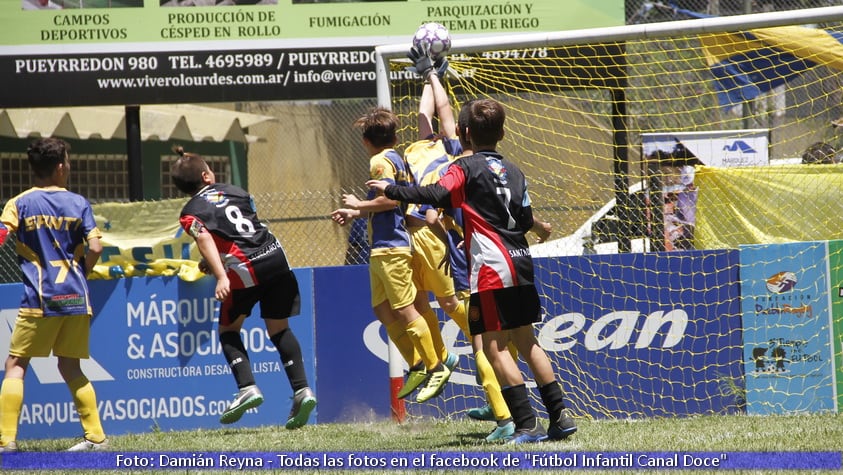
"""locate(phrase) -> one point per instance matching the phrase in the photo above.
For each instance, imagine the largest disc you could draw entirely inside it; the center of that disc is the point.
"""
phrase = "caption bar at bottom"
(424, 460)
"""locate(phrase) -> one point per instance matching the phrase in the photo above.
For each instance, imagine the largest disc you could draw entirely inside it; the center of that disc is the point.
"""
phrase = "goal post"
(626, 272)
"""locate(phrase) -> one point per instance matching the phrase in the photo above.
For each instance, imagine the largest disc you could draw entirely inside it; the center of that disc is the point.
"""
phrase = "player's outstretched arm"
(434, 194)
(375, 205)
(344, 216)
(447, 122)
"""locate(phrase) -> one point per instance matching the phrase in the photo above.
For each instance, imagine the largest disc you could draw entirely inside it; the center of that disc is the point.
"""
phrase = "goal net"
(617, 129)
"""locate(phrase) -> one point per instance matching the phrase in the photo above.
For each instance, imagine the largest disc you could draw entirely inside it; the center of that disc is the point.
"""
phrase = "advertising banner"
(156, 361)
(346, 332)
(185, 76)
(63, 22)
(353, 354)
(681, 338)
(117, 52)
(787, 332)
(835, 266)
(717, 148)
(666, 349)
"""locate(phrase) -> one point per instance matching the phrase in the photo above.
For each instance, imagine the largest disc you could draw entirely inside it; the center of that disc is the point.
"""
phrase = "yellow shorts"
(428, 252)
(392, 280)
(38, 336)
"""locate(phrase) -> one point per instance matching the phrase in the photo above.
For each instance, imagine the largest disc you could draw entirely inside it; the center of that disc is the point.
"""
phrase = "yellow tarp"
(770, 204)
(145, 239)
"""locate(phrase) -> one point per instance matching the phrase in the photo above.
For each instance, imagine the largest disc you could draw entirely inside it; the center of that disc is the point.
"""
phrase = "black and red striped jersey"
(250, 252)
(492, 193)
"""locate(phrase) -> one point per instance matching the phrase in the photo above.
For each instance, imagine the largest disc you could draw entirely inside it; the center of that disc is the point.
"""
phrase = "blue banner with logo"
(630, 335)
(669, 347)
(156, 361)
(642, 335)
(787, 328)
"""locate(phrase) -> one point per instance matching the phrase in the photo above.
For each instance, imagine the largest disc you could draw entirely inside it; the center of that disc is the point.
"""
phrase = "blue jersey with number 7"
(51, 225)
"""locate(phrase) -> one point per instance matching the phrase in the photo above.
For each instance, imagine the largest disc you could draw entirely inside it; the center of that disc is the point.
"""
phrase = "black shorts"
(279, 299)
(503, 309)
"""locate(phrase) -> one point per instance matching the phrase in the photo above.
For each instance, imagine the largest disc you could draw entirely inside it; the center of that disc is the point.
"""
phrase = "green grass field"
(800, 433)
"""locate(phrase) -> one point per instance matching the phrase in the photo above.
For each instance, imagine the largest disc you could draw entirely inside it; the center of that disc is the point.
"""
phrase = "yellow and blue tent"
(746, 64)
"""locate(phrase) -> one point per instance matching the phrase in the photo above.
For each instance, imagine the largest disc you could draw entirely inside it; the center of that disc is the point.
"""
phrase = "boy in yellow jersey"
(390, 273)
(55, 310)
(423, 158)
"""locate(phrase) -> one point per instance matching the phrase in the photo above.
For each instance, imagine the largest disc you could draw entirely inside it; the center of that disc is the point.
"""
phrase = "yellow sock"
(491, 387)
(11, 402)
(397, 332)
(86, 405)
(460, 318)
(420, 335)
(435, 333)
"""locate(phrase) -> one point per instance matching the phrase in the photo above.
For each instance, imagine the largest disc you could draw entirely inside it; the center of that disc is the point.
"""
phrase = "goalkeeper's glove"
(441, 64)
(422, 64)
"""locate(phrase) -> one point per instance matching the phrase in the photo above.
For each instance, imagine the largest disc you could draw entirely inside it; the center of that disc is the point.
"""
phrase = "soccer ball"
(434, 37)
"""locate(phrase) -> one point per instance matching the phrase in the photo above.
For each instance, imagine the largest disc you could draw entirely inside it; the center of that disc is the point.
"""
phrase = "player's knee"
(449, 306)
(230, 337)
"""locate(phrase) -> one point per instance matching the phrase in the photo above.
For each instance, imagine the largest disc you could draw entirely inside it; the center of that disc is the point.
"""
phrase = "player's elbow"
(95, 246)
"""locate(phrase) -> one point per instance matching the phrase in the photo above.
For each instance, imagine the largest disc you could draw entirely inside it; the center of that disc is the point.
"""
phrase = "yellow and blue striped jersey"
(51, 225)
(387, 229)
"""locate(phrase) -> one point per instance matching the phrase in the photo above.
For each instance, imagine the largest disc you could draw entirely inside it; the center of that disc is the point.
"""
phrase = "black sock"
(518, 401)
(288, 347)
(237, 358)
(551, 394)
(418, 366)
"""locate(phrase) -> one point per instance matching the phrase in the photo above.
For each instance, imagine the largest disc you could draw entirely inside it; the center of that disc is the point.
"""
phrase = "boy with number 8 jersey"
(251, 267)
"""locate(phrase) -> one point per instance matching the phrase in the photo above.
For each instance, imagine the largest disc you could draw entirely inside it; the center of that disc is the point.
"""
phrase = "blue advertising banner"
(787, 328)
(666, 348)
(353, 379)
(663, 339)
(156, 361)
(353, 354)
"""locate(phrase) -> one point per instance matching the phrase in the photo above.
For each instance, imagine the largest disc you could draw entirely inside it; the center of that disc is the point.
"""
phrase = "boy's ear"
(462, 132)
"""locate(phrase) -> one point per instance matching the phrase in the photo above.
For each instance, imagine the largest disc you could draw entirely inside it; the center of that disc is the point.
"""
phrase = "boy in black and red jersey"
(492, 193)
(251, 267)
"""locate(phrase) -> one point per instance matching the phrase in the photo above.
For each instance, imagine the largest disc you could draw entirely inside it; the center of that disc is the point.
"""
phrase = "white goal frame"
(385, 53)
